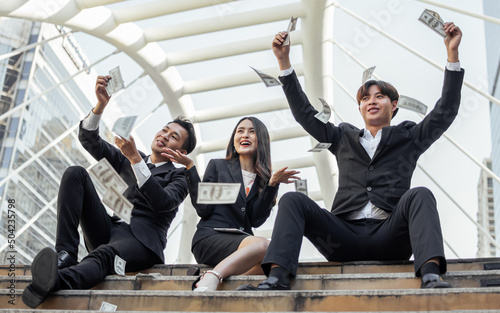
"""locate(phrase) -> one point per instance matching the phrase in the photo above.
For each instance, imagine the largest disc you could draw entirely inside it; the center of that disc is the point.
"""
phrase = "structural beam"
(225, 50)
(230, 21)
(231, 80)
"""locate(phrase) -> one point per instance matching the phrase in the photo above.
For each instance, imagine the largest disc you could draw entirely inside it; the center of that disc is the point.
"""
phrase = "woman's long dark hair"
(262, 157)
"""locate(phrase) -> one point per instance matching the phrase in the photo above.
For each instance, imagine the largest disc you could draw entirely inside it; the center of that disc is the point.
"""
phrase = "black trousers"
(79, 204)
(413, 227)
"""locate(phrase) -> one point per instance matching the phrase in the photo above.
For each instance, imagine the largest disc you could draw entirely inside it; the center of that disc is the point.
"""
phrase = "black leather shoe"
(271, 283)
(65, 260)
(44, 278)
(431, 281)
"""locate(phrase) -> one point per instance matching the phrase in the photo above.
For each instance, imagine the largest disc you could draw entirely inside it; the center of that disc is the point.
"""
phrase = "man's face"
(170, 136)
(376, 108)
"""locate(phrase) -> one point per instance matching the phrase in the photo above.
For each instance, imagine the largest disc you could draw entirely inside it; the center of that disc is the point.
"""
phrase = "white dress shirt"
(141, 170)
(370, 144)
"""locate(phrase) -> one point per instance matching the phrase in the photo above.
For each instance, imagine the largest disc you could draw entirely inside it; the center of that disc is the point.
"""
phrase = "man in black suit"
(375, 214)
(155, 188)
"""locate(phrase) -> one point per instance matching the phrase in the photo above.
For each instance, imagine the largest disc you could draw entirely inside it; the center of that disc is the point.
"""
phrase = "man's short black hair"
(387, 89)
(190, 141)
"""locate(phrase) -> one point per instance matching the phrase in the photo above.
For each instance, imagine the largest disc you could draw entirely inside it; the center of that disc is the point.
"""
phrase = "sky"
(411, 75)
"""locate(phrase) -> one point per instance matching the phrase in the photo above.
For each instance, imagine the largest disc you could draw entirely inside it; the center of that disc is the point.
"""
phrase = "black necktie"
(151, 166)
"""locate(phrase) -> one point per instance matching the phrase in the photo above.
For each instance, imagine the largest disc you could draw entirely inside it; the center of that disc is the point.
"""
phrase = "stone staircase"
(340, 287)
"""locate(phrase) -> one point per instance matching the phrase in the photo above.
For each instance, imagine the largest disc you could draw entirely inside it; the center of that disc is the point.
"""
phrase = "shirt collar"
(368, 135)
(176, 165)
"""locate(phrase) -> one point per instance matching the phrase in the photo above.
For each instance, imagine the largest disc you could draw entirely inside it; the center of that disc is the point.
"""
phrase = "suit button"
(369, 188)
(241, 228)
(370, 168)
(243, 210)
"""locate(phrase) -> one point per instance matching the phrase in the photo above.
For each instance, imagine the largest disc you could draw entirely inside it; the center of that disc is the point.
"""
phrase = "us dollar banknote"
(218, 193)
(104, 176)
(433, 21)
(301, 186)
(120, 205)
(124, 125)
(291, 28)
(324, 115)
(320, 147)
(412, 104)
(268, 80)
(116, 83)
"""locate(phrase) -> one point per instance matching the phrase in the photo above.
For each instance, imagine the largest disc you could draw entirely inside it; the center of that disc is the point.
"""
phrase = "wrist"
(135, 159)
(190, 165)
(453, 56)
(98, 109)
(284, 63)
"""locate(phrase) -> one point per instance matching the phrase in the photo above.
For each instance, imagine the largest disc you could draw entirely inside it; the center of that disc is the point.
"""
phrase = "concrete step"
(97, 311)
(274, 301)
(464, 279)
(312, 268)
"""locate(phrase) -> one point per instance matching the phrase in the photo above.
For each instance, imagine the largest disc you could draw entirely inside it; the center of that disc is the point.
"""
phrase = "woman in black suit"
(248, 161)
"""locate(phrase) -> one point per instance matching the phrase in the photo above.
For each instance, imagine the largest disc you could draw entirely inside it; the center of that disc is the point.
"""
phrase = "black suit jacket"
(155, 203)
(385, 178)
(248, 211)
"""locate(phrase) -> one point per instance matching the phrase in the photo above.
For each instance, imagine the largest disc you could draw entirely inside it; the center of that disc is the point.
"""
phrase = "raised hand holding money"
(433, 21)
(291, 28)
(115, 83)
(268, 80)
(324, 115)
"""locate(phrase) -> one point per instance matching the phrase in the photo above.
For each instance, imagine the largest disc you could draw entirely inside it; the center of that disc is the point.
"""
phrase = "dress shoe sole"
(44, 276)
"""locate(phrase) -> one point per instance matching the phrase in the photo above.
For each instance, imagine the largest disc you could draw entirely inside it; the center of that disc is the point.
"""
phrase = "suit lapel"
(163, 168)
(254, 190)
(386, 131)
(234, 169)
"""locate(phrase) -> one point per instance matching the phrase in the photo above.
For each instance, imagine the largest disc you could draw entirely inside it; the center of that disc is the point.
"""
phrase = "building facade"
(492, 8)
(485, 213)
(39, 115)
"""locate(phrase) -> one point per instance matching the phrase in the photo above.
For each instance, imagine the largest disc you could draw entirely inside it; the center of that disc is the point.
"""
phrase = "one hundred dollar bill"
(124, 125)
(433, 21)
(105, 176)
(320, 147)
(119, 204)
(268, 80)
(218, 193)
(324, 115)
(412, 104)
(291, 28)
(301, 186)
(367, 74)
(116, 83)
(107, 307)
(120, 265)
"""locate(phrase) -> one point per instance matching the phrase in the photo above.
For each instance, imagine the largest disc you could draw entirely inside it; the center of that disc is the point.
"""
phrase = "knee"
(291, 199)
(74, 171)
(261, 244)
(418, 193)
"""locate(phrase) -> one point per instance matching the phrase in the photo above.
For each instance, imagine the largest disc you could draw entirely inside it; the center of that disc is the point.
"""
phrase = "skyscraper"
(492, 8)
(485, 213)
(38, 130)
